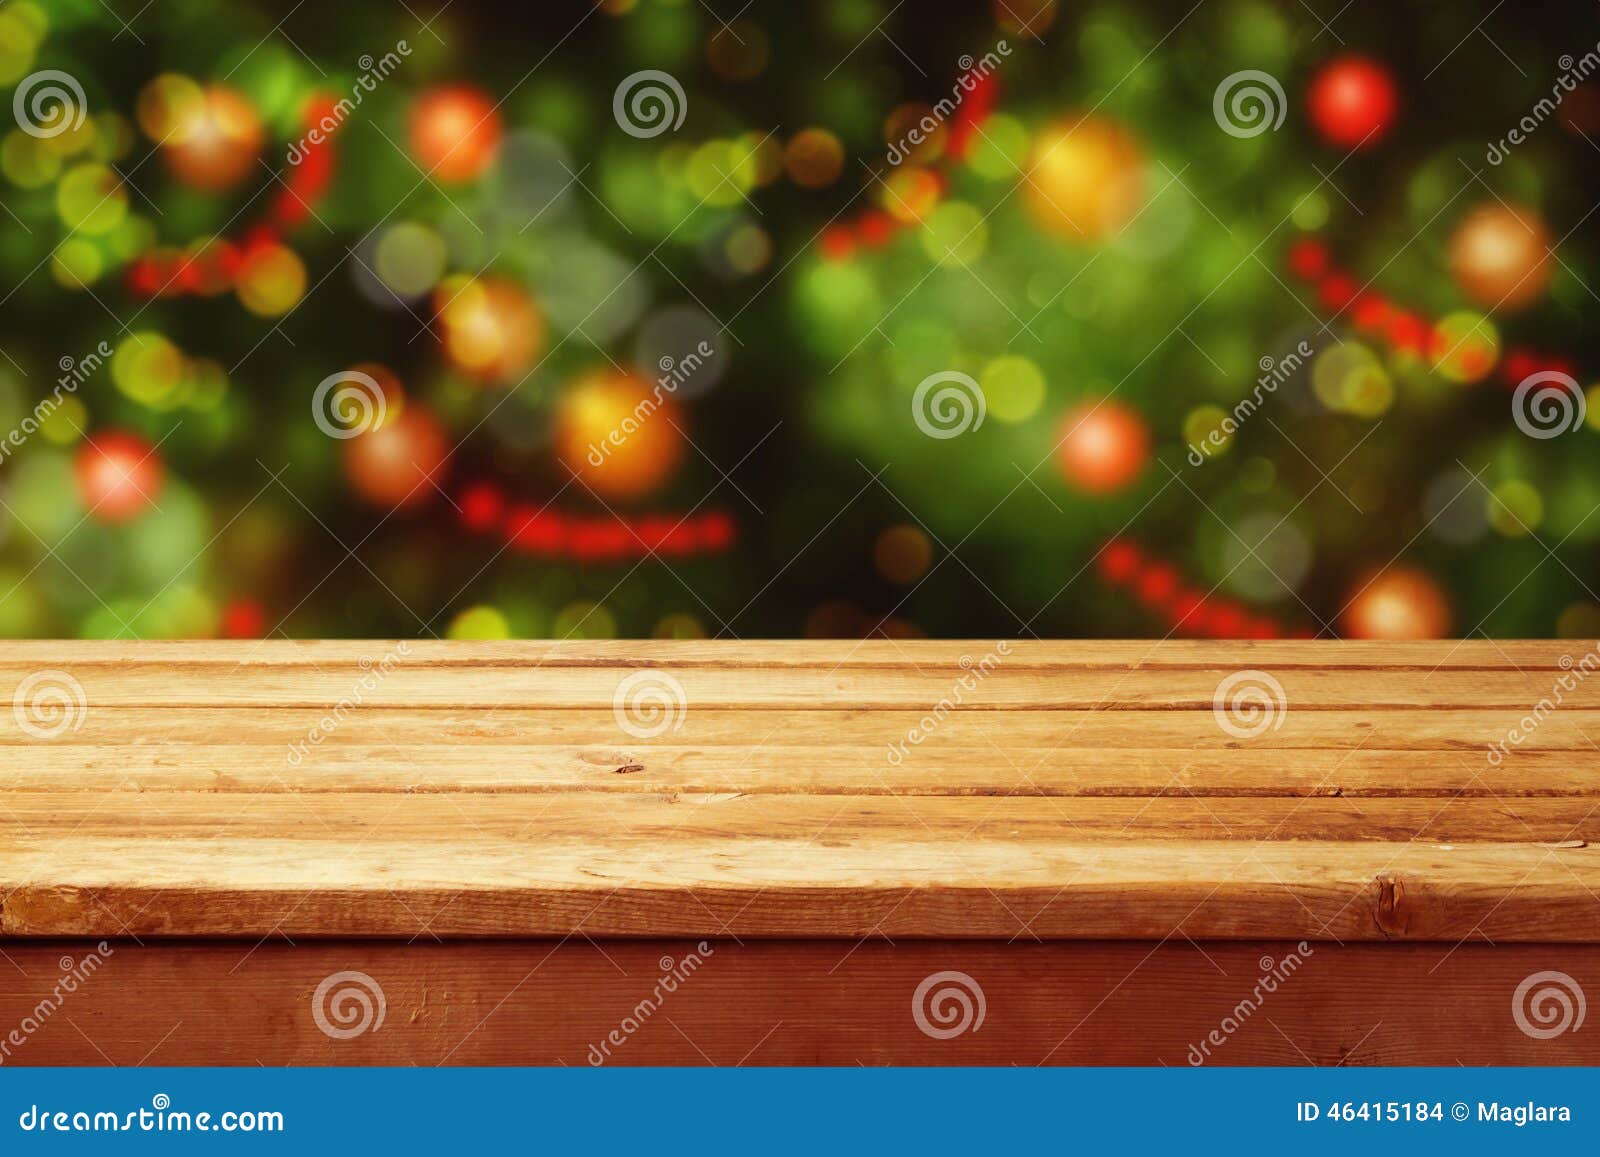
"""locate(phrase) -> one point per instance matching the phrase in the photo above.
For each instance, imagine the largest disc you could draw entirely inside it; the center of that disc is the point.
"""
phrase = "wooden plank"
(909, 685)
(1082, 791)
(786, 1002)
(936, 768)
(1126, 654)
(1441, 728)
(642, 821)
(837, 883)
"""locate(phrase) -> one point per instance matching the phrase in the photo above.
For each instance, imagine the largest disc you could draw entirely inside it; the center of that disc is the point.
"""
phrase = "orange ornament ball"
(455, 132)
(491, 328)
(1104, 447)
(400, 461)
(1086, 178)
(1500, 256)
(619, 434)
(119, 475)
(213, 145)
(1398, 603)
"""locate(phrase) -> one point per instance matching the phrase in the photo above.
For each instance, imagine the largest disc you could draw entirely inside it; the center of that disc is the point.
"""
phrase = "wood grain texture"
(791, 1002)
(823, 790)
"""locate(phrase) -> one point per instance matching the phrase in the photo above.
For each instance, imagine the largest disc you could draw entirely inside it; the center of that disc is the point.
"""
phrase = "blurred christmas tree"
(654, 318)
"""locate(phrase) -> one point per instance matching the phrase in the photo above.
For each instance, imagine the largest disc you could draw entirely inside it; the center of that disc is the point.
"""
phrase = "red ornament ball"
(1104, 447)
(243, 619)
(1399, 603)
(400, 461)
(455, 132)
(119, 475)
(1352, 101)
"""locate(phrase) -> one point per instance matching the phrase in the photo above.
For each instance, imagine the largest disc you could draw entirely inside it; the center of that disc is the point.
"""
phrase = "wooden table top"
(1024, 790)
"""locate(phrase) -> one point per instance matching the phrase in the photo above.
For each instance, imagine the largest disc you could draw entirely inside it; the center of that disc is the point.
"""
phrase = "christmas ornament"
(619, 434)
(399, 461)
(547, 531)
(118, 475)
(1500, 256)
(1104, 447)
(1187, 611)
(902, 554)
(455, 132)
(1398, 603)
(214, 144)
(492, 328)
(1086, 178)
(243, 619)
(1352, 101)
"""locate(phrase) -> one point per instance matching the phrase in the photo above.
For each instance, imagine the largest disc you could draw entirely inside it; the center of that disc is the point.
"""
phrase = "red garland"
(548, 532)
(1159, 586)
(218, 264)
(1401, 329)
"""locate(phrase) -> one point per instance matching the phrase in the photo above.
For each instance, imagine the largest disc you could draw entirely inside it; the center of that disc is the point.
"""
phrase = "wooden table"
(806, 852)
